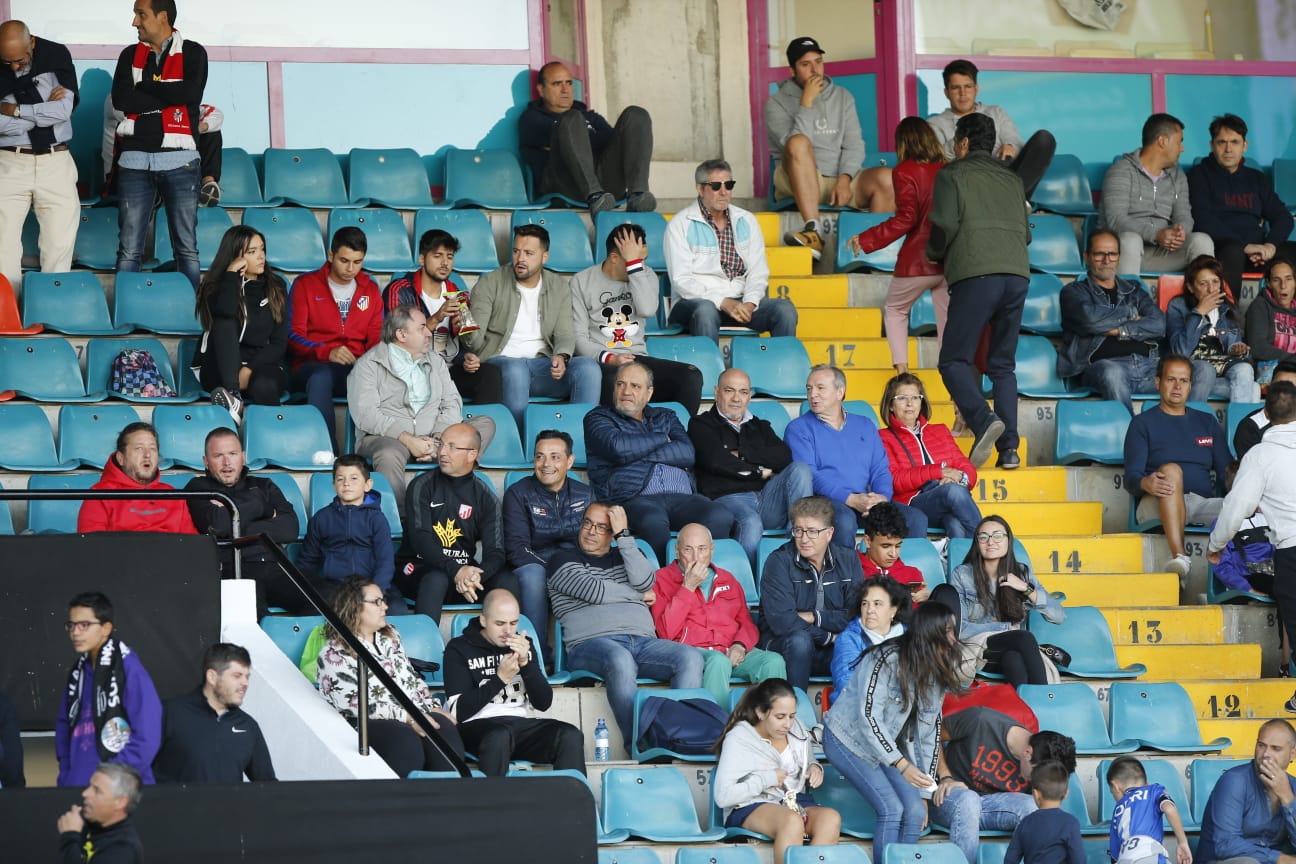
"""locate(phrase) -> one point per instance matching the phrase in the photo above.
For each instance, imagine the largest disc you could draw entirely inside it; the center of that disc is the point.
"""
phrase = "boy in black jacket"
(494, 679)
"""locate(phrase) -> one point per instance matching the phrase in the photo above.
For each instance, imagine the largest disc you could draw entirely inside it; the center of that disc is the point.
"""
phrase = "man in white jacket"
(715, 255)
(1266, 481)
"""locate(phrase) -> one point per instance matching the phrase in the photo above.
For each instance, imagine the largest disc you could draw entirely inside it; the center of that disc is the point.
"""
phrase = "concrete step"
(1097, 589)
(789, 261)
(1106, 553)
(1053, 518)
(1193, 662)
(771, 228)
(818, 322)
(995, 486)
(868, 353)
(812, 290)
(1177, 625)
(1220, 699)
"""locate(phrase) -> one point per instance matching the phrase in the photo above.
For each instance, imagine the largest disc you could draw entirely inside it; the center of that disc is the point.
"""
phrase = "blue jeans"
(704, 318)
(966, 814)
(1237, 384)
(136, 192)
(801, 655)
(753, 512)
(321, 382)
(950, 506)
(847, 521)
(1119, 377)
(900, 807)
(535, 600)
(622, 659)
(524, 378)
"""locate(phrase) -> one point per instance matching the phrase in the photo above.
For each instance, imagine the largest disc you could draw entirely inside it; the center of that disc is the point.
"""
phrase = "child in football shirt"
(1136, 828)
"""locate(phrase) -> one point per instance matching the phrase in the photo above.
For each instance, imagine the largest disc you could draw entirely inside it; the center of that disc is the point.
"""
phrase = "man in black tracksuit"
(494, 678)
(449, 512)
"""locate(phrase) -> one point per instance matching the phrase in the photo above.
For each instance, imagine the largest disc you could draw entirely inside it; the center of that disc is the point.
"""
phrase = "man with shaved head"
(496, 681)
(38, 90)
(1251, 813)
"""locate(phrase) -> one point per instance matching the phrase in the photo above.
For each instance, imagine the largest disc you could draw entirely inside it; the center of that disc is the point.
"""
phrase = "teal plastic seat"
(777, 365)
(805, 709)
(213, 222)
(569, 418)
(491, 179)
(716, 812)
(46, 370)
(858, 816)
(459, 623)
(625, 856)
(421, 638)
(389, 243)
(1053, 247)
(628, 854)
(727, 554)
(771, 412)
(67, 303)
(100, 354)
(291, 491)
(653, 223)
(294, 242)
(721, 855)
(288, 436)
(839, 854)
(1037, 371)
(850, 406)
(991, 852)
(155, 302)
(322, 494)
(393, 177)
(1064, 188)
(1073, 709)
(653, 803)
(1235, 414)
(186, 378)
(310, 177)
(240, 184)
(182, 429)
(569, 239)
(851, 224)
(56, 517)
(1042, 313)
(956, 550)
(97, 238)
(1091, 431)
(1203, 774)
(87, 434)
(697, 350)
(290, 633)
(29, 440)
(1160, 771)
(1160, 717)
(922, 316)
(764, 549)
(1284, 178)
(923, 853)
(1085, 635)
(505, 450)
(658, 754)
(1216, 592)
(919, 552)
(471, 228)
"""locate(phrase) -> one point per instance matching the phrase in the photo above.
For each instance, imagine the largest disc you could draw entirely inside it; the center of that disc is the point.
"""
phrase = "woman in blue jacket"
(884, 606)
(1202, 323)
(883, 733)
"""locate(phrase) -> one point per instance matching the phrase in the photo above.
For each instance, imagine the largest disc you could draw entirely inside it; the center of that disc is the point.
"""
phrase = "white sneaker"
(230, 402)
(1179, 565)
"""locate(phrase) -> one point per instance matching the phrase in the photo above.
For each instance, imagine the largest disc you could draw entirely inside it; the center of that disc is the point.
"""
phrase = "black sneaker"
(641, 202)
(231, 402)
(1008, 460)
(1290, 705)
(600, 201)
(985, 441)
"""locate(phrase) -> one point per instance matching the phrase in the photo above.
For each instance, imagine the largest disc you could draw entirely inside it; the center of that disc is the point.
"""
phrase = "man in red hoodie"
(134, 466)
(701, 605)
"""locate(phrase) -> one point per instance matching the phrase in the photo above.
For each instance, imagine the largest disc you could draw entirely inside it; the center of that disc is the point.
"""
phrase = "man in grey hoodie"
(1145, 202)
(812, 125)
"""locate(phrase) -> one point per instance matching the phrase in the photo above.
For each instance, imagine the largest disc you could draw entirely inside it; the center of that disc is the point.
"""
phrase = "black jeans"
(574, 170)
(653, 517)
(1284, 589)
(485, 386)
(672, 382)
(1230, 254)
(433, 587)
(404, 750)
(219, 366)
(1033, 159)
(996, 299)
(1015, 655)
(497, 740)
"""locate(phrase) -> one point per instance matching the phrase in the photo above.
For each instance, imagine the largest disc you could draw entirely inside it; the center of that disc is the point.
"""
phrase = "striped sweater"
(601, 595)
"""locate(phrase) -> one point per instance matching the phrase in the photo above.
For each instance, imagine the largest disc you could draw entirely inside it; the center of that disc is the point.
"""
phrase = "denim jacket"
(1087, 315)
(977, 619)
(871, 720)
(1185, 327)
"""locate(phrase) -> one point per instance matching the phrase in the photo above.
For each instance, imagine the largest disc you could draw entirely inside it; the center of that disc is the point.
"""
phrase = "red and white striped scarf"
(177, 133)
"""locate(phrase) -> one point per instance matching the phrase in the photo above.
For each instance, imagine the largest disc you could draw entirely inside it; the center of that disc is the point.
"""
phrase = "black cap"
(801, 46)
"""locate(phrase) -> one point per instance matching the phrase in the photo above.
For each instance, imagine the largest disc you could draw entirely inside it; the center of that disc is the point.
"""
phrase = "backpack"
(136, 373)
(689, 727)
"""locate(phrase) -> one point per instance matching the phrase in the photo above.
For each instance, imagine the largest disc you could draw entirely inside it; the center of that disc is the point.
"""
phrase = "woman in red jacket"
(929, 470)
(921, 156)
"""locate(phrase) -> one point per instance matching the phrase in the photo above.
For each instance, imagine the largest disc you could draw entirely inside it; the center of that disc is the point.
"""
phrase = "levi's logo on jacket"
(1206, 441)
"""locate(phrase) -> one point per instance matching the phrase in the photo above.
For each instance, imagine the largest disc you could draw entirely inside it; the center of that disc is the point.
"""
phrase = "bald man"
(495, 681)
(1251, 813)
(38, 90)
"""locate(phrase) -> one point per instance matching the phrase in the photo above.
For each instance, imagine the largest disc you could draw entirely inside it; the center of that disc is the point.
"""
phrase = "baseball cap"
(801, 46)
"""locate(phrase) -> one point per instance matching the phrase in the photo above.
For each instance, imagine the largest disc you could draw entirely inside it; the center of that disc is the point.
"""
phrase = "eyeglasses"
(994, 537)
(907, 398)
(79, 626)
(1105, 256)
(596, 527)
(377, 601)
(442, 445)
(807, 532)
(716, 184)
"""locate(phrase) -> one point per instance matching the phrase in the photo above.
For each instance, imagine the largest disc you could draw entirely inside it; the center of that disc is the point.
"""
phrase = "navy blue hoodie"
(348, 540)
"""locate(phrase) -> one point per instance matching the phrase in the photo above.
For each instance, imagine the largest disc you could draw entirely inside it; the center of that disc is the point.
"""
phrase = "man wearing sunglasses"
(715, 255)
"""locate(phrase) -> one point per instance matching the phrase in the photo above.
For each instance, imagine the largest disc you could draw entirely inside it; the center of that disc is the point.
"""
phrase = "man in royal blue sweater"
(846, 457)
(1170, 451)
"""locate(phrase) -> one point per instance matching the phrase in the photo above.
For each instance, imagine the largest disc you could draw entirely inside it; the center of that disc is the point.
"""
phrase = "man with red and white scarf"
(159, 85)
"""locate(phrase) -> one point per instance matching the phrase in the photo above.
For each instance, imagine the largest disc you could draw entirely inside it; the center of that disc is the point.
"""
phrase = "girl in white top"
(765, 769)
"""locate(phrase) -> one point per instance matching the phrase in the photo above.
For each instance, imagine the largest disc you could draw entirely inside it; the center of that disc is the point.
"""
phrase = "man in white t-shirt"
(527, 328)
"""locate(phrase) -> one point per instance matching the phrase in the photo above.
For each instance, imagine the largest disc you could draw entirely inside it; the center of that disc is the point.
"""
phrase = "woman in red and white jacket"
(929, 470)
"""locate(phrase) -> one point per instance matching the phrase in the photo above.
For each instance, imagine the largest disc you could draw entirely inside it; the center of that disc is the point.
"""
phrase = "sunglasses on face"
(716, 184)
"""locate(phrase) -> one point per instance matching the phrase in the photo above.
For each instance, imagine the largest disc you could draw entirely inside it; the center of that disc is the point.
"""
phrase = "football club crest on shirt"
(465, 511)
(363, 303)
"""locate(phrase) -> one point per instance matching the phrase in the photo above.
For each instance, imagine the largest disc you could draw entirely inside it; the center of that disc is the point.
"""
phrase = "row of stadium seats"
(1094, 430)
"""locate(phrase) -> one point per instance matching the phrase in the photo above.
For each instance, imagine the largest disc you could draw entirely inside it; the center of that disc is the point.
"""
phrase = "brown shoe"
(809, 239)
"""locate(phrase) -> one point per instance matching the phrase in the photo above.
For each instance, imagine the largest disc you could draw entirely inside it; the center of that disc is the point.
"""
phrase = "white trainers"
(1179, 565)
(230, 401)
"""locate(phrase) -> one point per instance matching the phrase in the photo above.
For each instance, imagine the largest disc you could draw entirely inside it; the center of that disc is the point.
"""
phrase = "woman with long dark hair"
(996, 594)
(766, 768)
(1202, 324)
(394, 734)
(883, 733)
(243, 307)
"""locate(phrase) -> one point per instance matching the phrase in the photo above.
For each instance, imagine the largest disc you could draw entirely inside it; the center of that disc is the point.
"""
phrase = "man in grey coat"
(1145, 203)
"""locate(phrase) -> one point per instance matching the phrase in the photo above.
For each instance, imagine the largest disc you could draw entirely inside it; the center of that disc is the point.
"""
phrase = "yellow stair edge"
(1174, 625)
(1258, 698)
(1083, 518)
(1193, 662)
(1242, 734)
(1101, 553)
(1042, 483)
(1095, 589)
(811, 290)
(789, 261)
(869, 352)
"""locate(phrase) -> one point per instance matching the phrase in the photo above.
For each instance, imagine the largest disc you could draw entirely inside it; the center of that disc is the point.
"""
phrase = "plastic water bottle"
(602, 749)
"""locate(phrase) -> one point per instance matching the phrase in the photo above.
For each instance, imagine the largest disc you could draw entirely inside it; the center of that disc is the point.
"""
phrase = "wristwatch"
(624, 532)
